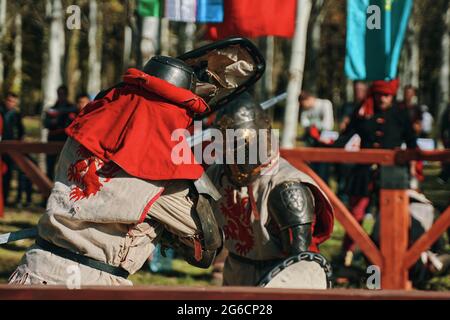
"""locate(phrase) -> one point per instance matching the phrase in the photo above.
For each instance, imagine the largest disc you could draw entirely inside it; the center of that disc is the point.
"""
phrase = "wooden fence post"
(394, 226)
(2, 205)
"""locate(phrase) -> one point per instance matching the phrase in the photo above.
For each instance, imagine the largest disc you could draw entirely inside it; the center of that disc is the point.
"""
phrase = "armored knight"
(117, 190)
(269, 211)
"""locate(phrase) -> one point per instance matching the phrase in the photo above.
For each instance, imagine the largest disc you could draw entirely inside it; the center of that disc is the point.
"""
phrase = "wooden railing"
(393, 257)
(18, 151)
(8, 292)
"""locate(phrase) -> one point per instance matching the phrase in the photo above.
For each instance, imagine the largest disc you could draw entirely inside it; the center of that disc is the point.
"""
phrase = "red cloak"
(132, 126)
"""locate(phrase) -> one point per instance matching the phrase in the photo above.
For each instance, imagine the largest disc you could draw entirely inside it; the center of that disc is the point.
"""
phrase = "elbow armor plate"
(201, 250)
(291, 205)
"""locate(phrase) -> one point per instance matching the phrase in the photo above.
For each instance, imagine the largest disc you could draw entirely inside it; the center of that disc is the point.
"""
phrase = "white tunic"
(99, 211)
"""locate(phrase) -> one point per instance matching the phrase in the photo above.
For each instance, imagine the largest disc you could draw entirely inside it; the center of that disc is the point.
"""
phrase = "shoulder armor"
(291, 203)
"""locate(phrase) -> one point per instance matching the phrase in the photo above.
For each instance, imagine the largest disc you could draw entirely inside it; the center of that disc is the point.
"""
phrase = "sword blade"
(18, 235)
(205, 135)
(273, 101)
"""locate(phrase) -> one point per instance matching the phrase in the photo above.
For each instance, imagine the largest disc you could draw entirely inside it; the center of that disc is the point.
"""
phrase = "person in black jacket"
(343, 170)
(380, 125)
(56, 120)
(444, 176)
(13, 129)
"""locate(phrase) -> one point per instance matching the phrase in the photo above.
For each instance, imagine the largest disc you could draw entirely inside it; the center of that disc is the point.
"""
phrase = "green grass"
(10, 254)
(32, 128)
(182, 274)
(441, 283)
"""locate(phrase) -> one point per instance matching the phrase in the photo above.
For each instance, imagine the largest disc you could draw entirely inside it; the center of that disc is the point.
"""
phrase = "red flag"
(255, 18)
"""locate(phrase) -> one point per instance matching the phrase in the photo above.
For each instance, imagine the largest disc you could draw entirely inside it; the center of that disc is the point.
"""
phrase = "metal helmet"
(248, 143)
(173, 71)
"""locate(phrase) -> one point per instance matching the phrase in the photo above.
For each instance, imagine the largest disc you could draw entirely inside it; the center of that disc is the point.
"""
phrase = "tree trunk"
(127, 46)
(445, 66)
(17, 66)
(165, 37)
(316, 33)
(349, 94)
(132, 50)
(296, 69)
(149, 38)
(2, 37)
(415, 56)
(264, 88)
(189, 39)
(409, 66)
(53, 60)
(94, 83)
(73, 65)
(53, 77)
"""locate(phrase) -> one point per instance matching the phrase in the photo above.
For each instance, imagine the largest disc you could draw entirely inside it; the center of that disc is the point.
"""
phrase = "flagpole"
(296, 69)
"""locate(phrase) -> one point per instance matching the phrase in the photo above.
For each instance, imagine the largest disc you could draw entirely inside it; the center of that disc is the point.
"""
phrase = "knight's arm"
(291, 205)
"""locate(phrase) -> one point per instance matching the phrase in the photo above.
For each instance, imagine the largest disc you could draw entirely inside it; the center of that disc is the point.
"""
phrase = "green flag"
(375, 33)
(149, 8)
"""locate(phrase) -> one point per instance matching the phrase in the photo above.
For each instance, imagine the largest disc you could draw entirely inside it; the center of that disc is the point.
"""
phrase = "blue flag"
(375, 33)
(210, 11)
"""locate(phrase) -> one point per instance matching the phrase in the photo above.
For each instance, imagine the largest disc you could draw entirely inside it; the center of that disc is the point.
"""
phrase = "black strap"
(92, 263)
(256, 263)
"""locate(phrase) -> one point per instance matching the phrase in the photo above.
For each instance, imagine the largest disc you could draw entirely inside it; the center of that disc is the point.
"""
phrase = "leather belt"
(89, 262)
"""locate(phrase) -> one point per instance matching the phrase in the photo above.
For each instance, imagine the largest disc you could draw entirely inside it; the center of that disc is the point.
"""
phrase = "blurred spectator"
(380, 124)
(24, 186)
(82, 101)
(12, 119)
(409, 103)
(56, 119)
(427, 122)
(445, 136)
(13, 129)
(316, 117)
(346, 111)
(360, 91)
(316, 112)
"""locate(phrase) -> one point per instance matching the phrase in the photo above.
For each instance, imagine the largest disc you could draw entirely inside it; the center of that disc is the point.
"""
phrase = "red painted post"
(394, 225)
(2, 205)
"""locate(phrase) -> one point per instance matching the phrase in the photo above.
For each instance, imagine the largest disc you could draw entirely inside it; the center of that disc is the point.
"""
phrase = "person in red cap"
(381, 125)
(118, 191)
